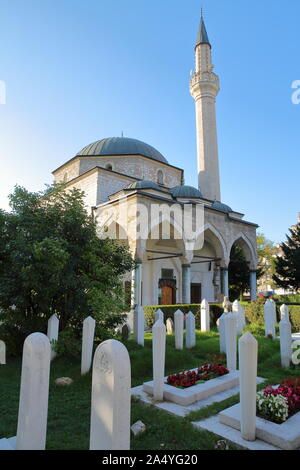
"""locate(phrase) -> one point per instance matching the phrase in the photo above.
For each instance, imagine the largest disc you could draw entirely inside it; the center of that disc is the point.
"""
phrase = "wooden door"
(195, 293)
(166, 295)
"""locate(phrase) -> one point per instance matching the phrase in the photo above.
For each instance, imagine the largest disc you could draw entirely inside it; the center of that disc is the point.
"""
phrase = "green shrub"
(254, 312)
(287, 299)
(169, 310)
(68, 344)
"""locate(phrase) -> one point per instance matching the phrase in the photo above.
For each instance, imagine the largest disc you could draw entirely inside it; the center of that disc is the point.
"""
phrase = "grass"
(69, 407)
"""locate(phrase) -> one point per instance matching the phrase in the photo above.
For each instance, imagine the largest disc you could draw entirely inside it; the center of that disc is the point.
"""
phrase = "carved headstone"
(88, 332)
(33, 405)
(170, 326)
(110, 409)
(52, 333)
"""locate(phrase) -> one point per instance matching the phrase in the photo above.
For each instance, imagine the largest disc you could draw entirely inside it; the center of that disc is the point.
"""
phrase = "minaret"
(204, 87)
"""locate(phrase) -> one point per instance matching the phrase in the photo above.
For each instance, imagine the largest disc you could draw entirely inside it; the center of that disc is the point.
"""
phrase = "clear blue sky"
(81, 70)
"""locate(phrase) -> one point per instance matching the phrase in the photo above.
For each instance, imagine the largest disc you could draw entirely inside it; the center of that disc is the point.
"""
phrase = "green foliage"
(266, 250)
(287, 299)
(216, 311)
(254, 312)
(238, 273)
(68, 344)
(51, 261)
(287, 265)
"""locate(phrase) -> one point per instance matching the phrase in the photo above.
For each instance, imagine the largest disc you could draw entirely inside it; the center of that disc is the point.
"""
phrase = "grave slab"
(230, 434)
(184, 410)
(284, 436)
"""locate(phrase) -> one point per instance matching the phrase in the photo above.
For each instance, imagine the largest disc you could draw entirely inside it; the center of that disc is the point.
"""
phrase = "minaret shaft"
(204, 87)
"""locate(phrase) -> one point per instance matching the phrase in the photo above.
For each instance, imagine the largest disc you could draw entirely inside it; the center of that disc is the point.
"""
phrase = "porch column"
(225, 282)
(253, 286)
(186, 283)
(136, 286)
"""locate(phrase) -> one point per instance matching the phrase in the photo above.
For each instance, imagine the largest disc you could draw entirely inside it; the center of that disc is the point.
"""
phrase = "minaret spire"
(204, 87)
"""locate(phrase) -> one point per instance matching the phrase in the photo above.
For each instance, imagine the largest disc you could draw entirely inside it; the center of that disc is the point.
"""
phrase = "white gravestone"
(88, 332)
(222, 333)
(159, 315)
(285, 331)
(248, 373)
(284, 312)
(190, 339)
(159, 355)
(269, 319)
(52, 333)
(238, 310)
(170, 326)
(274, 310)
(110, 408)
(33, 405)
(2, 353)
(140, 326)
(230, 335)
(205, 317)
(178, 321)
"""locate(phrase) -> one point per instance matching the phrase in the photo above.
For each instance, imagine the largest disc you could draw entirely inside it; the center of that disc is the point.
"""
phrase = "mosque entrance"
(167, 292)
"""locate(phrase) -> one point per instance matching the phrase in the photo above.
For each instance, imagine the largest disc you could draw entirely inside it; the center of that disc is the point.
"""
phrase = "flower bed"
(202, 374)
(278, 403)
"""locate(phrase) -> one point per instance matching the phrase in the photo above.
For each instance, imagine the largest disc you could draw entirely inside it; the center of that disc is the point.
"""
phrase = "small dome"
(121, 146)
(221, 207)
(186, 191)
(144, 184)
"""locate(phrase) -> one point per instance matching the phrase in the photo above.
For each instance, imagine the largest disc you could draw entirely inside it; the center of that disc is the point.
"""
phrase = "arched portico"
(249, 252)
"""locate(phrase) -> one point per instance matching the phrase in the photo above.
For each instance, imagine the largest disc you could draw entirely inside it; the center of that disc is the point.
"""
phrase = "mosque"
(121, 170)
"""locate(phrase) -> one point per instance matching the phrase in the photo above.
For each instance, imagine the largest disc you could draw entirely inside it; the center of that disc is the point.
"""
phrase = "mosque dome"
(144, 184)
(121, 146)
(221, 207)
(186, 191)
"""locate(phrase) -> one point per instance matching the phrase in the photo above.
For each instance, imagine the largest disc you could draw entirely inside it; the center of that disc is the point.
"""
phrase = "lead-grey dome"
(144, 184)
(186, 191)
(220, 206)
(121, 146)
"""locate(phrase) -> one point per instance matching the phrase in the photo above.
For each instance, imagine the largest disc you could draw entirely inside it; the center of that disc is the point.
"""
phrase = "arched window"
(109, 166)
(160, 177)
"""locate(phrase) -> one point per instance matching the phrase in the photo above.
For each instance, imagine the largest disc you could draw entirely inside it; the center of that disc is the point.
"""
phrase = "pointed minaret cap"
(202, 37)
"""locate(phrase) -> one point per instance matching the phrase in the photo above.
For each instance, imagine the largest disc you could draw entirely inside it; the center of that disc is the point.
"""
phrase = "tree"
(238, 273)
(51, 261)
(287, 263)
(266, 252)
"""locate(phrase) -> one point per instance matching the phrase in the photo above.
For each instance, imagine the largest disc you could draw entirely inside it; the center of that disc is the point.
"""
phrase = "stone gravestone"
(140, 326)
(88, 332)
(159, 354)
(248, 373)
(125, 332)
(110, 408)
(159, 315)
(222, 333)
(226, 305)
(230, 335)
(2, 353)
(52, 333)
(33, 405)
(190, 339)
(205, 317)
(285, 331)
(269, 319)
(284, 312)
(239, 312)
(178, 321)
(170, 326)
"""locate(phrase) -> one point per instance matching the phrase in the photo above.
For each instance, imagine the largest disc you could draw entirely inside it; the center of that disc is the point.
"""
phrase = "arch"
(249, 251)
(109, 166)
(214, 238)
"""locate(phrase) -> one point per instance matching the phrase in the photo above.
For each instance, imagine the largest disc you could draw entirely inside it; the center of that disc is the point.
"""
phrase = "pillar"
(253, 287)
(225, 282)
(186, 283)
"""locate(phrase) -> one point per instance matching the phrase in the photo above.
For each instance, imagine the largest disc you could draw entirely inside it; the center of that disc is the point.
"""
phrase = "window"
(160, 177)
(65, 179)
(109, 167)
(167, 274)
